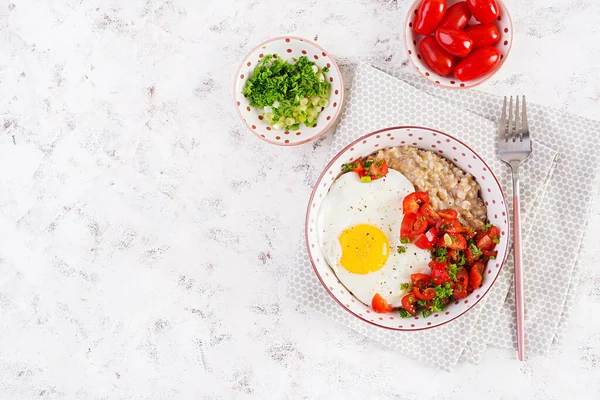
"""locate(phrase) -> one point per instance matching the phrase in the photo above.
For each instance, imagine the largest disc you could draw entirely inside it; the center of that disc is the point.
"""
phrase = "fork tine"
(502, 123)
(525, 125)
(517, 135)
(510, 120)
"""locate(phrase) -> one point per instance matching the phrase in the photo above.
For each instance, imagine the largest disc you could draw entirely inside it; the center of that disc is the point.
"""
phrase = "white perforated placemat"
(378, 100)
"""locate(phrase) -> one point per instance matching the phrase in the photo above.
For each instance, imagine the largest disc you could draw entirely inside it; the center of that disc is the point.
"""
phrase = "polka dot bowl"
(453, 150)
(288, 48)
(412, 40)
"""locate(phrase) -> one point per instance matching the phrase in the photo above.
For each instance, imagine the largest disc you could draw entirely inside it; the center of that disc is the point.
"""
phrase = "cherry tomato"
(457, 241)
(448, 214)
(407, 225)
(429, 14)
(483, 35)
(408, 303)
(411, 203)
(484, 11)
(439, 273)
(428, 213)
(427, 240)
(478, 63)
(447, 225)
(462, 283)
(457, 17)
(455, 42)
(493, 232)
(438, 59)
(420, 280)
(489, 254)
(380, 305)
(426, 294)
(476, 276)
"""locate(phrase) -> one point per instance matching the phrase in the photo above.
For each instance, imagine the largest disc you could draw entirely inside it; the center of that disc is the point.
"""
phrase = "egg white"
(351, 202)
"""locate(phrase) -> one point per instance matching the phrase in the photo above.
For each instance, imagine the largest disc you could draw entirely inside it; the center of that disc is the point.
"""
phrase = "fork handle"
(518, 255)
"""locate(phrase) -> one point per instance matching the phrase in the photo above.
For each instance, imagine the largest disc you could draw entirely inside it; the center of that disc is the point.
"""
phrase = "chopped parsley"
(421, 303)
(443, 291)
(368, 163)
(401, 249)
(492, 257)
(496, 239)
(293, 93)
(460, 258)
(349, 167)
(488, 226)
(452, 271)
(441, 253)
(404, 240)
(437, 305)
(406, 286)
(426, 313)
(404, 313)
(474, 249)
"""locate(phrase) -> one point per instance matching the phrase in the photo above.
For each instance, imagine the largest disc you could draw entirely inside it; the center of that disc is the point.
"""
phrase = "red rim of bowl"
(327, 126)
(466, 84)
(312, 196)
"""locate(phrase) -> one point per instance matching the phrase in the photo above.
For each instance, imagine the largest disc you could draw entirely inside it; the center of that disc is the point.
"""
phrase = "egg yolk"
(365, 249)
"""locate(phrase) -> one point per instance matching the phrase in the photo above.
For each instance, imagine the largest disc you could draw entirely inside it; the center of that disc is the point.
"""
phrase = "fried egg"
(359, 235)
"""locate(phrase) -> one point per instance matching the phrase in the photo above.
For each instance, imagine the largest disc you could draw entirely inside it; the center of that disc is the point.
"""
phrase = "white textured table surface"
(145, 235)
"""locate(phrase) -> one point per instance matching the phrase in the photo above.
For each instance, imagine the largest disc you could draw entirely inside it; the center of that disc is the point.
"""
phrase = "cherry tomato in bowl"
(443, 75)
(429, 14)
(479, 63)
(455, 42)
(484, 11)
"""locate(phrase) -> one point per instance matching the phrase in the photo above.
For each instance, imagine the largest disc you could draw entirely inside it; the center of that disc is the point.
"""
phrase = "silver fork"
(514, 147)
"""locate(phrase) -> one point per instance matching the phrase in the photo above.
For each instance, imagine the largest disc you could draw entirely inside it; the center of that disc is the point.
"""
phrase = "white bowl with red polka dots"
(453, 150)
(288, 48)
(412, 40)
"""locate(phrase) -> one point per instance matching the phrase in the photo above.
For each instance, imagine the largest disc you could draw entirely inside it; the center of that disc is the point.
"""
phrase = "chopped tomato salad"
(459, 255)
(368, 169)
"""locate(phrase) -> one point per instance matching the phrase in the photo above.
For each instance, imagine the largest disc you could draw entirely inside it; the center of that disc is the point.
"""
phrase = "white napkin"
(378, 100)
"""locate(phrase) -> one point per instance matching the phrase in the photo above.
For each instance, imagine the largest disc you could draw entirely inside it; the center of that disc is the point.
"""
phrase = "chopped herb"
(443, 291)
(346, 167)
(406, 286)
(496, 239)
(443, 227)
(365, 179)
(474, 249)
(421, 303)
(492, 257)
(452, 271)
(401, 249)
(437, 305)
(404, 240)
(460, 258)
(404, 313)
(368, 163)
(426, 313)
(488, 226)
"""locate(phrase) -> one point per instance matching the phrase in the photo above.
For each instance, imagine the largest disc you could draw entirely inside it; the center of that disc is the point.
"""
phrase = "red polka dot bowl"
(288, 48)
(413, 39)
(453, 150)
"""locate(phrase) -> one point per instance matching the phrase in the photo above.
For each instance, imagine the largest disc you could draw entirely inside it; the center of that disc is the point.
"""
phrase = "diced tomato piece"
(457, 241)
(476, 276)
(461, 284)
(378, 169)
(380, 305)
(411, 203)
(493, 232)
(429, 213)
(426, 294)
(427, 240)
(419, 226)
(452, 256)
(490, 254)
(484, 242)
(407, 225)
(408, 303)
(420, 280)
(448, 214)
(471, 257)
(439, 273)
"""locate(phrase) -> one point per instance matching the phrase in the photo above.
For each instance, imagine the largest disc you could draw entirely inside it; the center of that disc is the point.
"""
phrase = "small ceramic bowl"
(288, 48)
(412, 40)
(450, 148)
